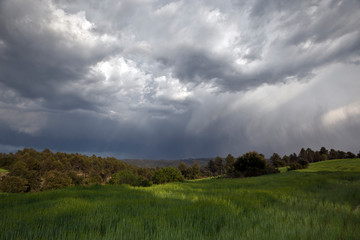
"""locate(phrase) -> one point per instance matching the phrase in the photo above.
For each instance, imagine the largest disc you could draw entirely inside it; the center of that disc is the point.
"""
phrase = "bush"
(14, 184)
(168, 174)
(55, 179)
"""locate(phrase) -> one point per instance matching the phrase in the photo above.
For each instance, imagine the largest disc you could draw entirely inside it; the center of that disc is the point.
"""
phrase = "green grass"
(315, 203)
(3, 170)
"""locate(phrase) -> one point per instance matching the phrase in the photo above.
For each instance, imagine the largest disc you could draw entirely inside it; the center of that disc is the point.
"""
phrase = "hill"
(321, 202)
(145, 163)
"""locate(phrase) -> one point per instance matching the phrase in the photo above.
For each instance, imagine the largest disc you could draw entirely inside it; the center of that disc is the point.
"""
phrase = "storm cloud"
(177, 79)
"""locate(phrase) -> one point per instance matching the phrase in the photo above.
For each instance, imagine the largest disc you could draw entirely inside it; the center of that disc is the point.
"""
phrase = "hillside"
(321, 202)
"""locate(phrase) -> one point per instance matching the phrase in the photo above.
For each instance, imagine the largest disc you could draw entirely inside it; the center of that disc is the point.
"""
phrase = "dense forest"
(31, 171)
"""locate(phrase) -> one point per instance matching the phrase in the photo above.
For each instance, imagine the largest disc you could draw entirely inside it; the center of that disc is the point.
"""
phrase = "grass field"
(316, 203)
(3, 170)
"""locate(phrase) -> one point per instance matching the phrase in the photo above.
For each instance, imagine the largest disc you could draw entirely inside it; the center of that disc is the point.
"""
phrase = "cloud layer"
(174, 79)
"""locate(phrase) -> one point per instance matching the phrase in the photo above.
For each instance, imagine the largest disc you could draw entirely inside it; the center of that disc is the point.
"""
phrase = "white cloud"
(341, 115)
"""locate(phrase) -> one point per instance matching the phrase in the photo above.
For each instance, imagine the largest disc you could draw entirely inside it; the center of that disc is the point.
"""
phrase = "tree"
(277, 161)
(341, 154)
(333, 154)
(55, 179)
(125, 177)
(310, 155)
(229, 165)
(168, 174)
(183, 169)
(193, 172)
(211, 167)
(303, 154)
(323, 150)
(350, 155)
(14, 184)
(293, 158)
(34, 180)
(19, 169)
(94, 178)
(219, 165)
(286, 160)
(75, 178)
(252, 164)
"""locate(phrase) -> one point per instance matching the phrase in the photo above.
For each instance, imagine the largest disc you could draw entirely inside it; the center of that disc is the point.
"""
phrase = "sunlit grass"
(3, 170)
(314, 203)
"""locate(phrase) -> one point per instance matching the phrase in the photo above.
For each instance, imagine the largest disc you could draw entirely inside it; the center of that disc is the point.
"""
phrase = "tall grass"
(315, 203)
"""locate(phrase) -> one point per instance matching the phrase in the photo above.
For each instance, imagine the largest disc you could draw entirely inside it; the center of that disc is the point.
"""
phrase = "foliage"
(13, 184)
(319, 202)
(193, 172)
(277, 161)
(252, 164)
(55, 179)
(299, 164)
(229, 165)
(76, 179)
(125, 177)
(166, 175)
(94, 178)
(34, 167)
(128, 177)
(219, 167)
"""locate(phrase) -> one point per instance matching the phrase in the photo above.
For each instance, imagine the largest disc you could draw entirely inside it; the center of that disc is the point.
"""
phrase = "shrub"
(168, 174)
(14, 184)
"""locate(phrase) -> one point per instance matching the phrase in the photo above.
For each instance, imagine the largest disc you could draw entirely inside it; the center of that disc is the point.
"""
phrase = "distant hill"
(166, 163)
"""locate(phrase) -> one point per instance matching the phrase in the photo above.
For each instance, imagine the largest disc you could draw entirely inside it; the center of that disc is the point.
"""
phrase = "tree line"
(31, 171)
(255, 164)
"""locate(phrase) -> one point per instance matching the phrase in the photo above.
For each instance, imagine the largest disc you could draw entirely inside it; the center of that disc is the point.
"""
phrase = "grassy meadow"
(321, 202)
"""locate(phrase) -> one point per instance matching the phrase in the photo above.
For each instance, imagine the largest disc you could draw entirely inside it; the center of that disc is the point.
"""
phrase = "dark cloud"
(175, 79)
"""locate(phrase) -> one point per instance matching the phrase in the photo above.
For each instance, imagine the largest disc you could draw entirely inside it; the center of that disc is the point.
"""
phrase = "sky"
(162, 79)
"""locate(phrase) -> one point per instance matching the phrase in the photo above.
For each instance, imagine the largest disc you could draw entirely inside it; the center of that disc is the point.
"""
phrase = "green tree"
(14, 184)
(323, 150)
(333, 154)
(19, 169)
(94, 178)
(219, 165)
(229, 165)
(286, 160)
(168, 174)
(277, 161)
(183, 169)
(211, 167)
(193, 172)
(55, 179)
(76, 179)
(253, 164)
